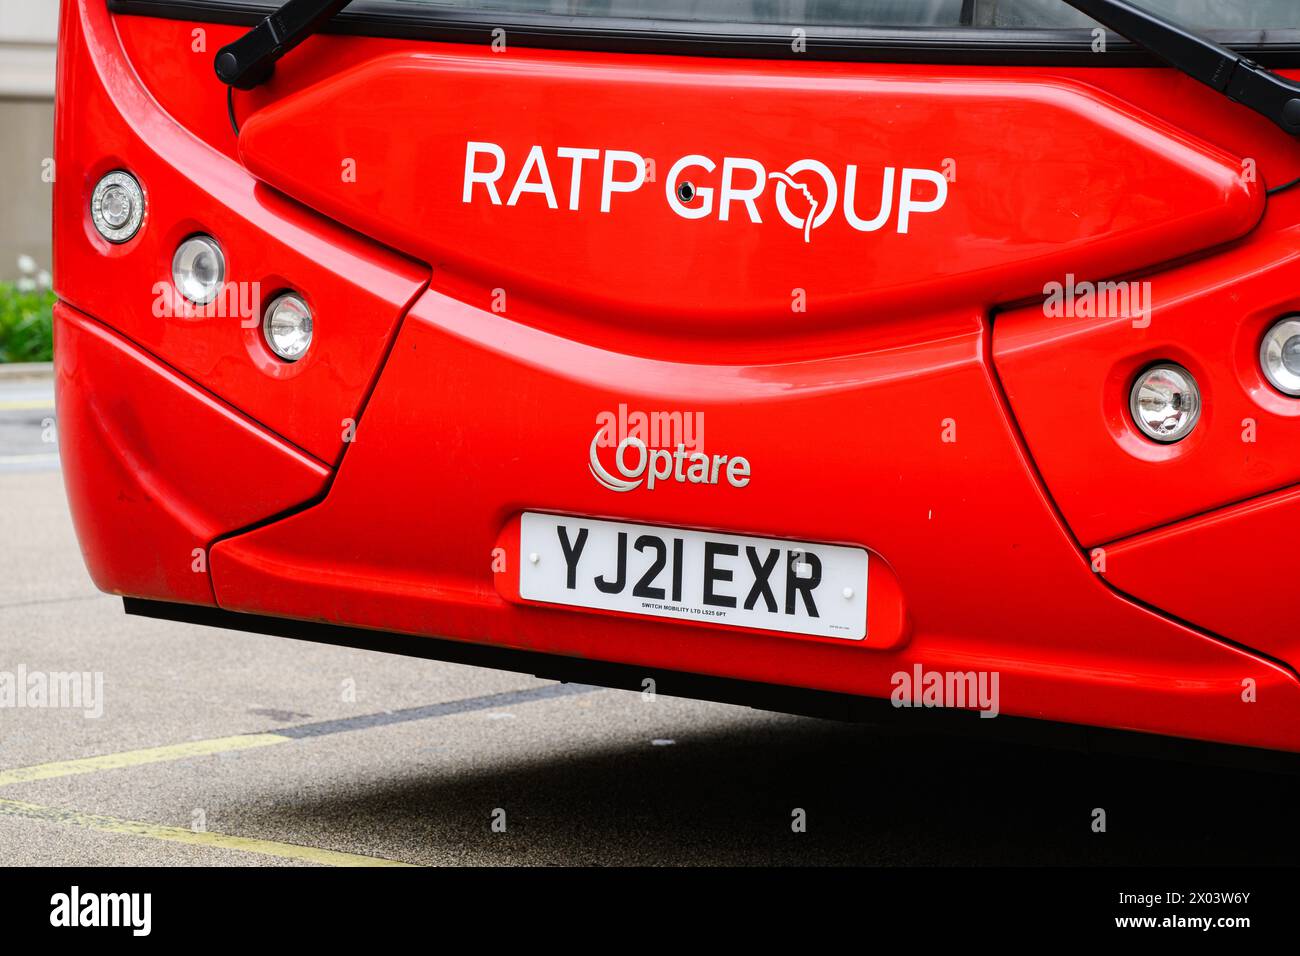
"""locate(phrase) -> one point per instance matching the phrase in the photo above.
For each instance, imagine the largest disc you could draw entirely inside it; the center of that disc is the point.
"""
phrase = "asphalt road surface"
(216, 747)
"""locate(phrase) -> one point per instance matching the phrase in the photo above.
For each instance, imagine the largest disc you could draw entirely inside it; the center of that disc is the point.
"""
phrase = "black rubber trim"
(801, 701)
(1284, 187)
(383, 18)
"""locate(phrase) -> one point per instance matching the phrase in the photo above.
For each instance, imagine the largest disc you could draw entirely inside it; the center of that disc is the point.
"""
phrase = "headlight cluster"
(117, 211)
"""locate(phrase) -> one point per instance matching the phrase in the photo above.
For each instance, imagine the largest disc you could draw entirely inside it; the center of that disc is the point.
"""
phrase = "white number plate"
(763, 583)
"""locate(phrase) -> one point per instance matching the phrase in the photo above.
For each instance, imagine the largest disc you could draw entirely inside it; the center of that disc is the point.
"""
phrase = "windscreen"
(1001, 14)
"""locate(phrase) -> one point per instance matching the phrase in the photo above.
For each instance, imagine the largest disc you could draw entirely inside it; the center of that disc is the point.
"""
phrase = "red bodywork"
(905, 392)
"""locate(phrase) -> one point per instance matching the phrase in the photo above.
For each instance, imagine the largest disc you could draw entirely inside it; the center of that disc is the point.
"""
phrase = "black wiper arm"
(1216, 66)
(250, 60)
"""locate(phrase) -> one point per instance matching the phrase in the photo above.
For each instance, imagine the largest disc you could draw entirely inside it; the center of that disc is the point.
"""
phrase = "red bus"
(834, 357)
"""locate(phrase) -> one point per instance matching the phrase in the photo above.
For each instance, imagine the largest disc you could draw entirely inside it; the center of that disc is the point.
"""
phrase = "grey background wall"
(27, 39)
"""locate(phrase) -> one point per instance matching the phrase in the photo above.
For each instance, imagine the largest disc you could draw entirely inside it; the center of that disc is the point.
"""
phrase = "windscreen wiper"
(250, 60)
(1216, 66)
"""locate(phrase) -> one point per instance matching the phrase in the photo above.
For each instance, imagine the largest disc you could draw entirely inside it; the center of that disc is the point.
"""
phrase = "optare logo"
(807, 192)
(636, 464)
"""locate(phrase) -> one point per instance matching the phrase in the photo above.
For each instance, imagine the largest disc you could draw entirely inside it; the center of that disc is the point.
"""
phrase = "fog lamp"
(287, 327)
(199, 269)
(1279, 354)
(1165, 402)
(117, 206)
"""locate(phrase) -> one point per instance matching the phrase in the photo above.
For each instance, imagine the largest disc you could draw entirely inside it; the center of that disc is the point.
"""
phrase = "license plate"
(767, 584)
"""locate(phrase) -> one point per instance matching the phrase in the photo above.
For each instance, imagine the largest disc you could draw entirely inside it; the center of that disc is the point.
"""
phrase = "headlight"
(199, 269)
(1165, 403)
(117, 206)
(1279, 354)
(287, 327)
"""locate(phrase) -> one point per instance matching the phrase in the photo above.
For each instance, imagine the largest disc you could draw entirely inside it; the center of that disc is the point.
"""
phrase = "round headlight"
(1165, 403)
(199, 269)
(287, 327)
(117, 206)
(1279, 354)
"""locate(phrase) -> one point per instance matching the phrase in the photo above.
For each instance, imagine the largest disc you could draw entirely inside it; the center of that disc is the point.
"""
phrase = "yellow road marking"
(26, 404)
(200, 748)
(216, 745)
(136, 758)
(106, 824)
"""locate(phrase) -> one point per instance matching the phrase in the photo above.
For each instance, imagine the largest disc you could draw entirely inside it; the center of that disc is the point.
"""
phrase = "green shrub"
(26, 329)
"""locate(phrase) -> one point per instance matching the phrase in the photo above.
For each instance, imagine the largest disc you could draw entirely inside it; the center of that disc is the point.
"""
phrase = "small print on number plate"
(763, 583)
